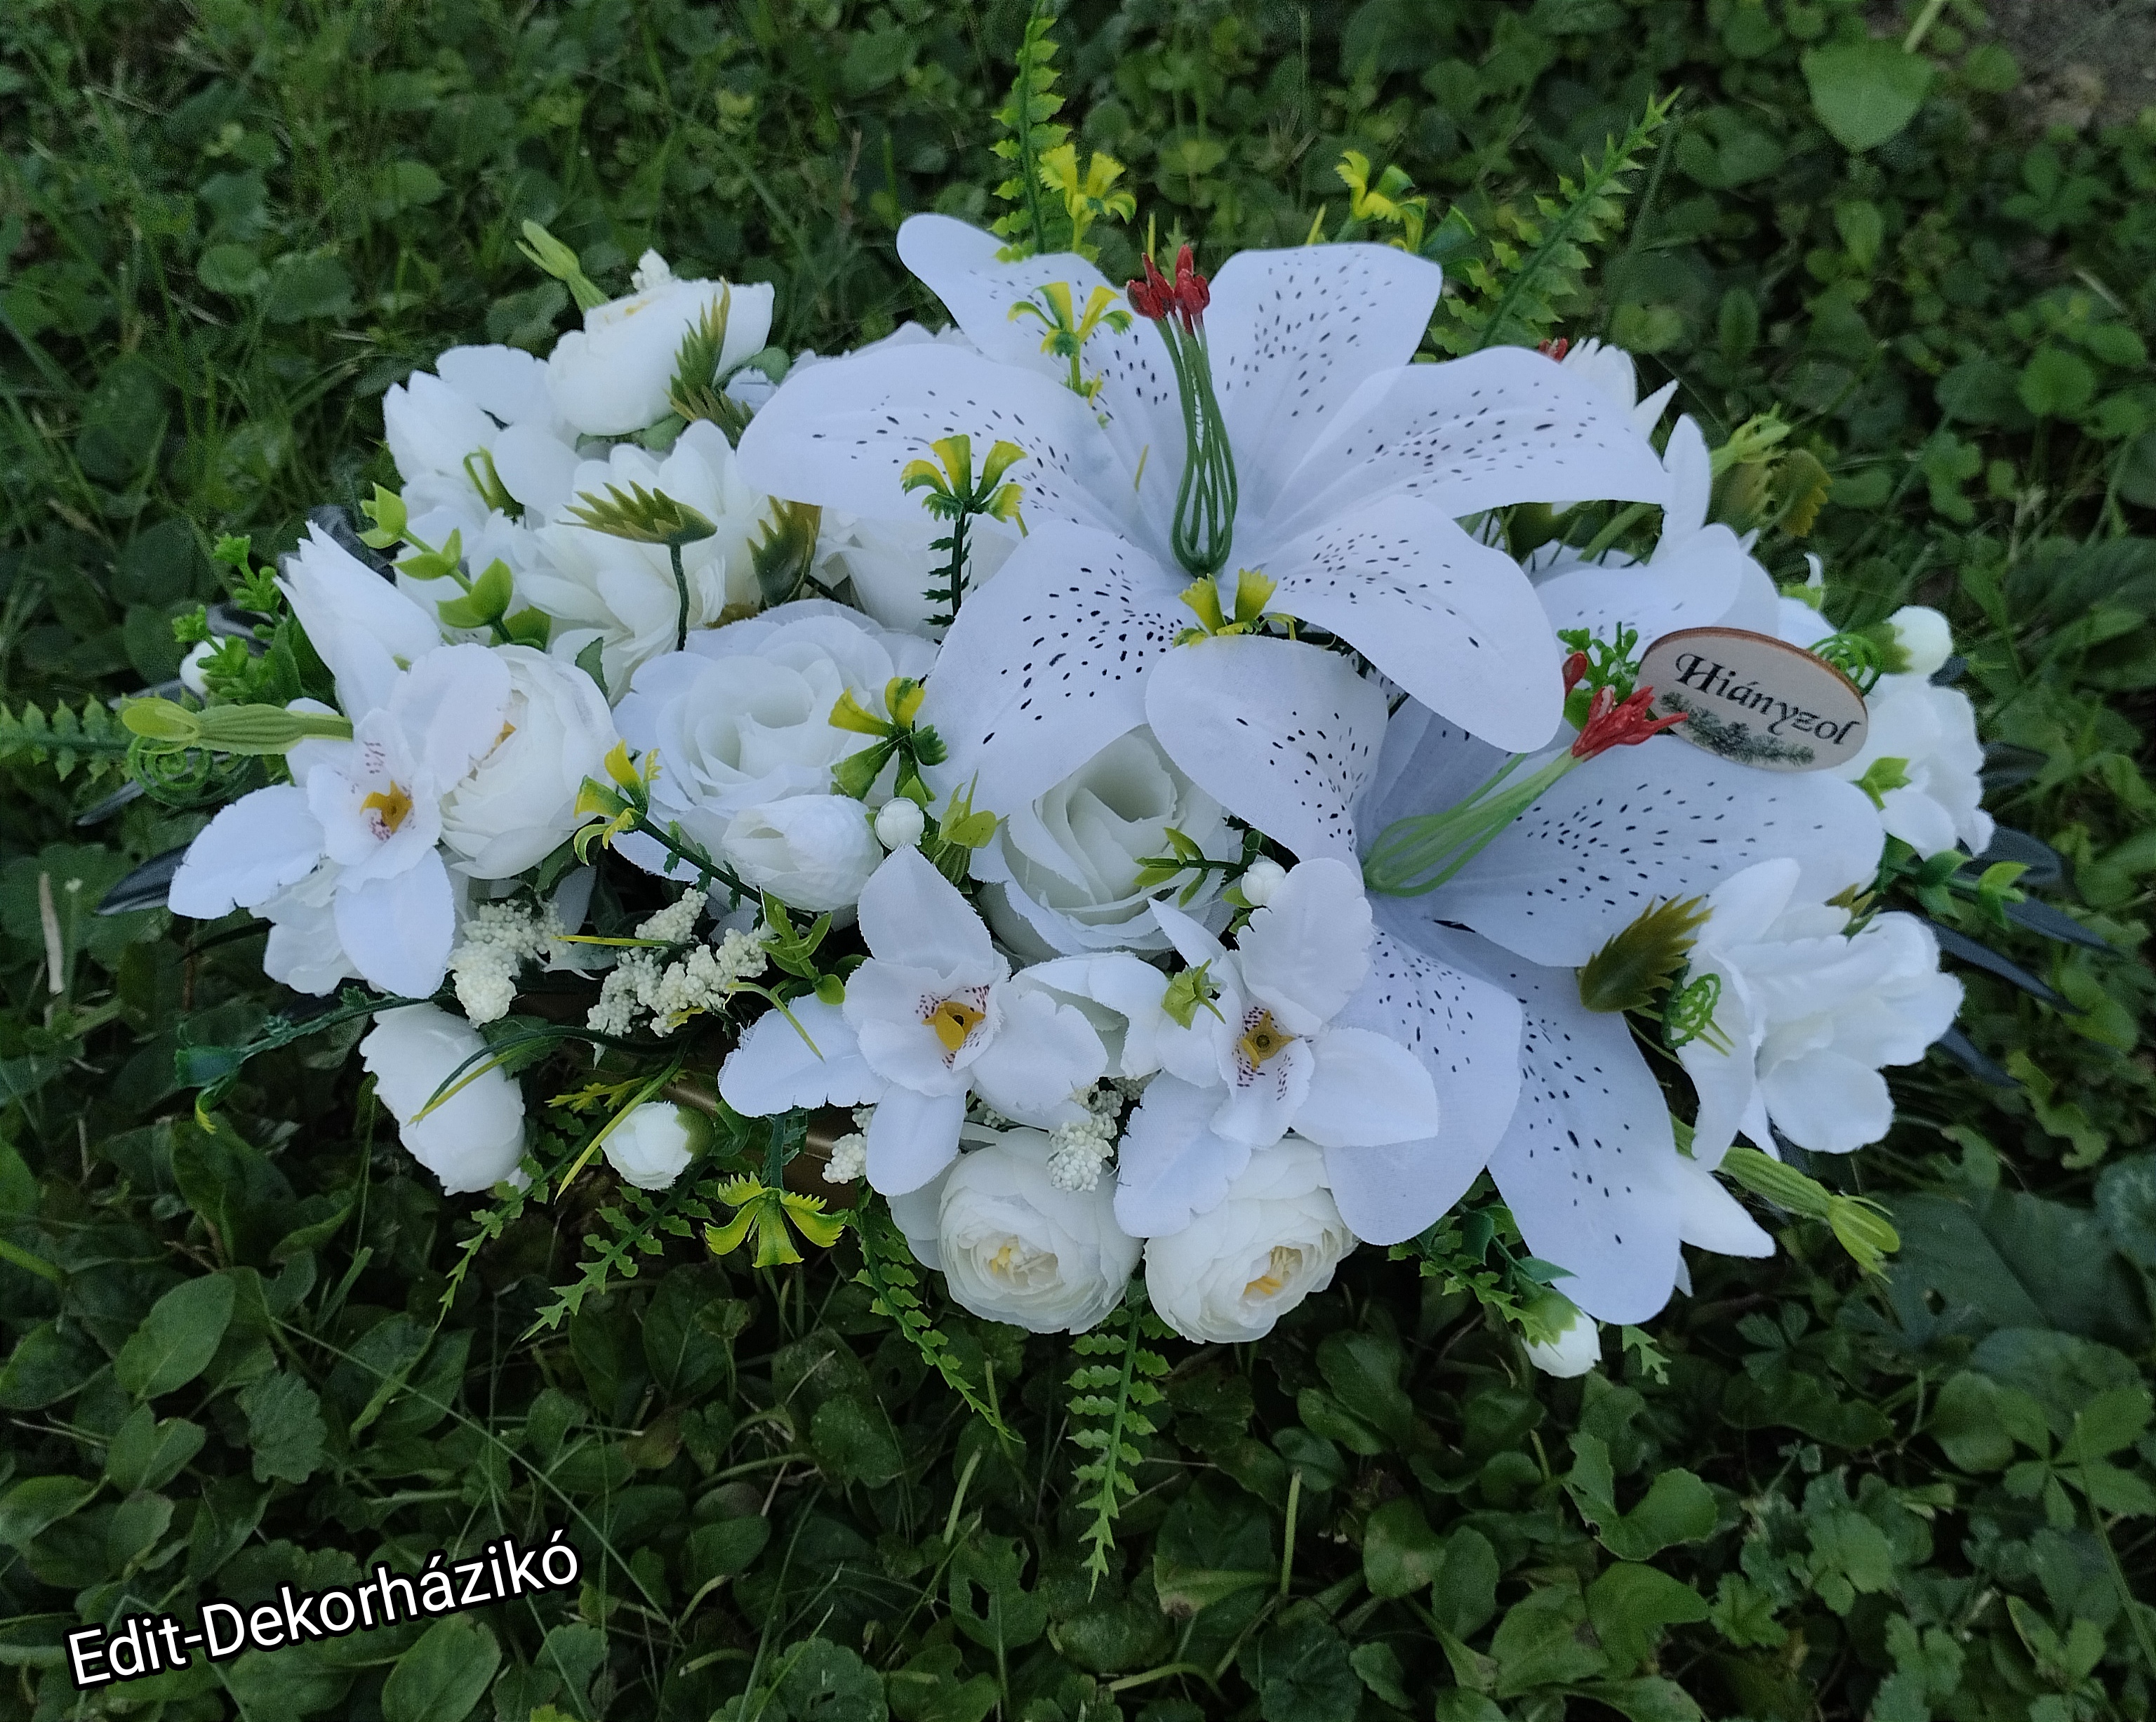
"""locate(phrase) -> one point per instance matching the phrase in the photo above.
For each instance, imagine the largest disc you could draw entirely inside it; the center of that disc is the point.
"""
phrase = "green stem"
(681, 587)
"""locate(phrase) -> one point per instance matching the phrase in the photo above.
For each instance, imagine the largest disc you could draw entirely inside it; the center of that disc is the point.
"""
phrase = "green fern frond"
(1109, 1406)
(1028, 117)
(887, 1274)
(623, 1235)
(1530, 280)
(90, 737)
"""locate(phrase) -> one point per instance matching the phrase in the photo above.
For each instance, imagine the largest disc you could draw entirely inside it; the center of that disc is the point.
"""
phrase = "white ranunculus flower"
(653, 1143)
(742, 723)
(1275, 1240)
(471, 1141)
(598, 587)
(611, 377)
(1016, 1249)
(1578, 1347)
(1061, 873)
(813, 851)
(519, 802)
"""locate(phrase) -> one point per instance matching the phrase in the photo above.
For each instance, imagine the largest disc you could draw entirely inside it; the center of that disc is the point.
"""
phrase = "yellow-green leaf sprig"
(949, 492)
(1069, 328)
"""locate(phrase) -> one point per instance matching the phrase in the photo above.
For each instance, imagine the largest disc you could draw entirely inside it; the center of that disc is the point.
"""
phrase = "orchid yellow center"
(953, 1020)
(1279, 1269)
(390, 808)
(1262, 1039)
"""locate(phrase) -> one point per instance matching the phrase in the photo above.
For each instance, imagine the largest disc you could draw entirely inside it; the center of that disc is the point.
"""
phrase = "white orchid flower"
(1263, 1054)
(372, 807)
(935, 1014)
(1352, 465)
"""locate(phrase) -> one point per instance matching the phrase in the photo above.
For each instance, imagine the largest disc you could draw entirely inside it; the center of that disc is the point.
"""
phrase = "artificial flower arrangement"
(1122, 800)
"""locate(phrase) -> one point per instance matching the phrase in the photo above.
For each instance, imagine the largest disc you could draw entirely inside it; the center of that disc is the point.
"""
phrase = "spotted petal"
(1283, 735)
(1587, 1165)
(1294, 333)
(1466, 1033)
(1045, 665)
(1504, 425)
(1452, 621)
(841, 434)
(1648, 823)
(1705, 580)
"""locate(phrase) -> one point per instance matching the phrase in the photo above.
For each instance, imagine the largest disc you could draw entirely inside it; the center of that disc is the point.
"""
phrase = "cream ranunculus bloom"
(1016, 1249)
(1061, 874)
(471, 1141)
(654, 1143)
(519, 801)
(610, 377)
(1275, 1240)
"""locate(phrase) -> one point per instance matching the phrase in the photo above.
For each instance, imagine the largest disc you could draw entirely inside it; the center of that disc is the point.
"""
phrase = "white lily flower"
(611, 377)
(1351, 463)
(933, 1016)
(1263, 1054)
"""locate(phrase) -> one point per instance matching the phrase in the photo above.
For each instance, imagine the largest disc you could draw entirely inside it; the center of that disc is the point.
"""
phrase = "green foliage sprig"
(88, 737)
(887, 1273)
(1111, 1411)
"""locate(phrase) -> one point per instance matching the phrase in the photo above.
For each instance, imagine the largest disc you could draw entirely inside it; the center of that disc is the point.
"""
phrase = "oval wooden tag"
(1755, 699)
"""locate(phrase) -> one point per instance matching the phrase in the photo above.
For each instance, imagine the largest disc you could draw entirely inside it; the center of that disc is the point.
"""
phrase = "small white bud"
(1924, 634)
(651, 271)
(191, 667)
(899, 823)
(1260, 879)
(1578, 1347)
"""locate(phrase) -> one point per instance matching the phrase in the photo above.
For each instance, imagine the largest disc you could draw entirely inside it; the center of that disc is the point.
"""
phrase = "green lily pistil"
(1205, 502)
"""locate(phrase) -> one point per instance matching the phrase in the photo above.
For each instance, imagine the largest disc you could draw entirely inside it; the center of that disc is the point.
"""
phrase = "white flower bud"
(473, 1140)
(1578, 1347)
(899, 823)
(653, 1143)
(191, 667)
(1260, 879)
(1924, 634)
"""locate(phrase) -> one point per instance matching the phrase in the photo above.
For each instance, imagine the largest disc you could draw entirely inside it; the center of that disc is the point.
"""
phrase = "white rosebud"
(814, 851)
(191, 667)
(519, 802)
(1015, 1248)
(651, 1146)
(1260, 879)
(1578, 1347)
(473, 1140)
(611, 377)
(1924, 634)
(899, 822)
(1275, 1240)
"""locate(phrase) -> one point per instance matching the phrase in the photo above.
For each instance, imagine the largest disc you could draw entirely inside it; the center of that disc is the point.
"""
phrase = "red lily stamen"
(1612, 724)
(1153, 297)
(1575, 667)
(1555, 349)
(1192, 292)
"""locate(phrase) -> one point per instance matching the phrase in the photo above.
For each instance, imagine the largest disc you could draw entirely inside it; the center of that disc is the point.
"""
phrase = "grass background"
(226, 227)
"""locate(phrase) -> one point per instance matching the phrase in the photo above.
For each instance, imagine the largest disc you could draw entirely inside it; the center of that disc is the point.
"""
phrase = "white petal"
(841, 433)
(451, 708)
(1306, 951)
(1648, 823)
(1283, 735)
(776, 1068)
(1294, 333)
(1503, 425)
(360, 625)
(1046, 664)
(249, 853)
(1691, 484)
(507, 381)
(911, 1138)
(1043, 1054)
(1366, 1091)
(1708, 580)
(538, 469)
(1171, 1169)
(1589, 1164)
(1454, 622)
(1466, 1034)
(1828, 1102)
(1710, 1218)
(1426, 766)
(914, 917)
(397, 931)
(1259, 1109)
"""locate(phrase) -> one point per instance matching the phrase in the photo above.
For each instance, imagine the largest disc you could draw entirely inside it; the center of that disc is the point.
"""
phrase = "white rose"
(652, 1145)
(1276, 1239)
(598, 587)
(900, 822)
(814, 852)
(612, 376)
(1578, 1347)
(1016, 1249)
(519, 802)
(1061, 875)
(742, 723)
(471, 1141)
(1931, 731)
(1925, 636)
